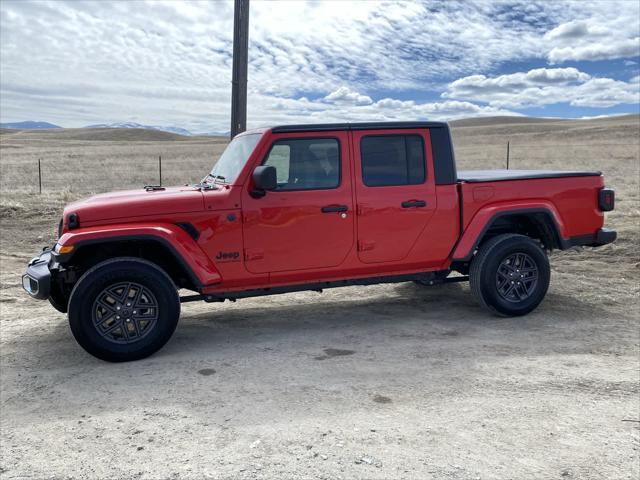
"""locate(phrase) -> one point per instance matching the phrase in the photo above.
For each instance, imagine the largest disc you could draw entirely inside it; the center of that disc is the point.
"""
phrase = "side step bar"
(432, 279)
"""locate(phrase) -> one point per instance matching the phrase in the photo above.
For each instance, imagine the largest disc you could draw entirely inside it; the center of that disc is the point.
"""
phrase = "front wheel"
(123, 309)
(510, 275)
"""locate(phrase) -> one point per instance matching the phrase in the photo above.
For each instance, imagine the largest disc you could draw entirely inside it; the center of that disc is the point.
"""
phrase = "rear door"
(308, 221)
(395, 191)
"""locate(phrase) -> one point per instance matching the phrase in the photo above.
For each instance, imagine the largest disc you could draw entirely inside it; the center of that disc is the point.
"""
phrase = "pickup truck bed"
(475, 176)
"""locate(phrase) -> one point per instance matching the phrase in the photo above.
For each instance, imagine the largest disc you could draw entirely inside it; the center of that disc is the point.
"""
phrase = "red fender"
(484, 217)
(171, 236)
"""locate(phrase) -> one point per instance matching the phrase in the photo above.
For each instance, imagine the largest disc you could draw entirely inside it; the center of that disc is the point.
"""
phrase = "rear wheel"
(510, 275)
(123, 309)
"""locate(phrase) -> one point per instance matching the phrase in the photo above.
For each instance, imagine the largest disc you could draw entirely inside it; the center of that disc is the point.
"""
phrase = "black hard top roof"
(319, 127)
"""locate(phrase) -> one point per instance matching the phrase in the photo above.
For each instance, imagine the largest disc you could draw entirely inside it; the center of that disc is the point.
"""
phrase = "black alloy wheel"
(510, 274)
(517, 277)
(125, 312)
(124, 309)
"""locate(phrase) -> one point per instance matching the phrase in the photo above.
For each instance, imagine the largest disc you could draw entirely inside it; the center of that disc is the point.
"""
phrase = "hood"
(136, 203)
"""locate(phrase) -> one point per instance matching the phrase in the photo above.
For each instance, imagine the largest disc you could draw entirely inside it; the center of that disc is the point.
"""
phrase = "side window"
(305, 163)
(392, 160)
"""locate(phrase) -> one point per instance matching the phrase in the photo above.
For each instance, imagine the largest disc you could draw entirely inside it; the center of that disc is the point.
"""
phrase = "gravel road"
(390, 381)
(382, 382)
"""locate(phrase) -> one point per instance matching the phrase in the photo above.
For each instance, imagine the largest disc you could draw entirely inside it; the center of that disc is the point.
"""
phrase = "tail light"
(606, 199)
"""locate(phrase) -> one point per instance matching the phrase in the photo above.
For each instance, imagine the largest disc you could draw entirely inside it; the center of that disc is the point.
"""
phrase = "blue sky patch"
(169, 63)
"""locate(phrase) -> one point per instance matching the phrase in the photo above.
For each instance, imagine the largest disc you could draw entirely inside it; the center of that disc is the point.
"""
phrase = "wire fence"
(512, 155)
(75, 172)
(100, 166)
(43, 176)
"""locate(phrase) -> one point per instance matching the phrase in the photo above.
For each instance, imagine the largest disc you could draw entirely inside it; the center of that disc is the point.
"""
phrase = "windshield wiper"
(219, 177)
(204, 185)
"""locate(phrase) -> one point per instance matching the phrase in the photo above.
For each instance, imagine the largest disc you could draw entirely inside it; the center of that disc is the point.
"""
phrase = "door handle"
(414, 204)
(334, 209)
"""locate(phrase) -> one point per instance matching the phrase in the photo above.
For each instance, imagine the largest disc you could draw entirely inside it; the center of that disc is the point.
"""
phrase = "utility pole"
(240, 61)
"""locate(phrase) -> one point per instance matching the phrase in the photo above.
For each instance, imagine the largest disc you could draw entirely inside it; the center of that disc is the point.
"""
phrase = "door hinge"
(253, 254)
(249, 217)
(363, 209)
(364, 245)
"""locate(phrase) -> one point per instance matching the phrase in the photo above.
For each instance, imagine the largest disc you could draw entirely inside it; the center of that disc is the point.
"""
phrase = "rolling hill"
(29, 125)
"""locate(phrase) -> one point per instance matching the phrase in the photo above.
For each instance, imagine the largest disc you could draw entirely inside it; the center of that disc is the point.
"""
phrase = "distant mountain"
(214, 134)
(29, 125)
(176, 130)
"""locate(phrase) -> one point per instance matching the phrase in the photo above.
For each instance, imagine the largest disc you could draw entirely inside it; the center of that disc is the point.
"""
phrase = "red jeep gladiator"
(309, 207)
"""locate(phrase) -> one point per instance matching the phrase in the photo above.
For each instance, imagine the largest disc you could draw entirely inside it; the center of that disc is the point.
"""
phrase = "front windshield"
(234, 157)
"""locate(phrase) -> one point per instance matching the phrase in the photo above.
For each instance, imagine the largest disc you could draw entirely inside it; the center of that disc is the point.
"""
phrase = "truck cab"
(309, 207)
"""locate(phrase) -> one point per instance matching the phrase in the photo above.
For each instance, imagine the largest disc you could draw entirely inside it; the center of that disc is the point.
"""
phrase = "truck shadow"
(404, 310)
(341, 320)
(389, 335)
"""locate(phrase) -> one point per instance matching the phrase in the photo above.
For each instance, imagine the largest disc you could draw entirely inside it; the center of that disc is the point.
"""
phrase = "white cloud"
(544, 86)
(608, 49)
(543, 76)
(475, 85)
(607, 34)
(392, 103)
(575, 29)
(604, 92)
(169, 62)
(348, 96)
(303, 110)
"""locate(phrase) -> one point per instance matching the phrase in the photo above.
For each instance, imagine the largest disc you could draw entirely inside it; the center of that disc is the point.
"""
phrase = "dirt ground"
(382, 382)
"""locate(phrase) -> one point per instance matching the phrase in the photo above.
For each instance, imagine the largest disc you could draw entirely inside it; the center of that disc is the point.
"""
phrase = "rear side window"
(305, 163)
(392, 160)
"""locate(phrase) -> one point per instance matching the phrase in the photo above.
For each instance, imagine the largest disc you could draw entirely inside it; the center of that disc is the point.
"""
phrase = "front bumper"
(37, 280)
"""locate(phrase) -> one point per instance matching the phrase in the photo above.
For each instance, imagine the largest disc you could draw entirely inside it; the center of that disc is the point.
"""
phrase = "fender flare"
(487, 216)
(199, 267)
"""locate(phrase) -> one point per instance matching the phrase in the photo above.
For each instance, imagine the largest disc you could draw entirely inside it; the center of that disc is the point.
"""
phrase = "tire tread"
(478, 264)
(76, 312)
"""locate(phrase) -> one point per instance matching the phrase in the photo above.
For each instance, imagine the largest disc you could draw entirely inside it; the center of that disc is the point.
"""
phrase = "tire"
(116, 290)
(499, 285)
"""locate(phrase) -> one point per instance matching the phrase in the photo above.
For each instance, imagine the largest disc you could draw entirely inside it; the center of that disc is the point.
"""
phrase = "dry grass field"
(388, 381)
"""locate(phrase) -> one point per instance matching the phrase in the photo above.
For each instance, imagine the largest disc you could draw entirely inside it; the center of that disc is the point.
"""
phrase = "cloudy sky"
(77, 62)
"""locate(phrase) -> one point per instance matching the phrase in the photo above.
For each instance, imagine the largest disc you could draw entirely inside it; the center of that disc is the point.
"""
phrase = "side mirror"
(264, 179)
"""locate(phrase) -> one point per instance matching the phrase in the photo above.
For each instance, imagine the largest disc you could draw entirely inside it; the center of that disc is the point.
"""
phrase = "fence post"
(160, 168)
(507, 155)
(39, 177)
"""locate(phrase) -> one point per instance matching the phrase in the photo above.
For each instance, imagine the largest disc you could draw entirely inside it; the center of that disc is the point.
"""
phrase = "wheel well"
(539, 226)
(536, 225)
(154, 251)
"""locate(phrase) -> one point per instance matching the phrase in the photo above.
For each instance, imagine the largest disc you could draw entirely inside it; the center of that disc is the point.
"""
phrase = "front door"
(308, 221)
(395, 192)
